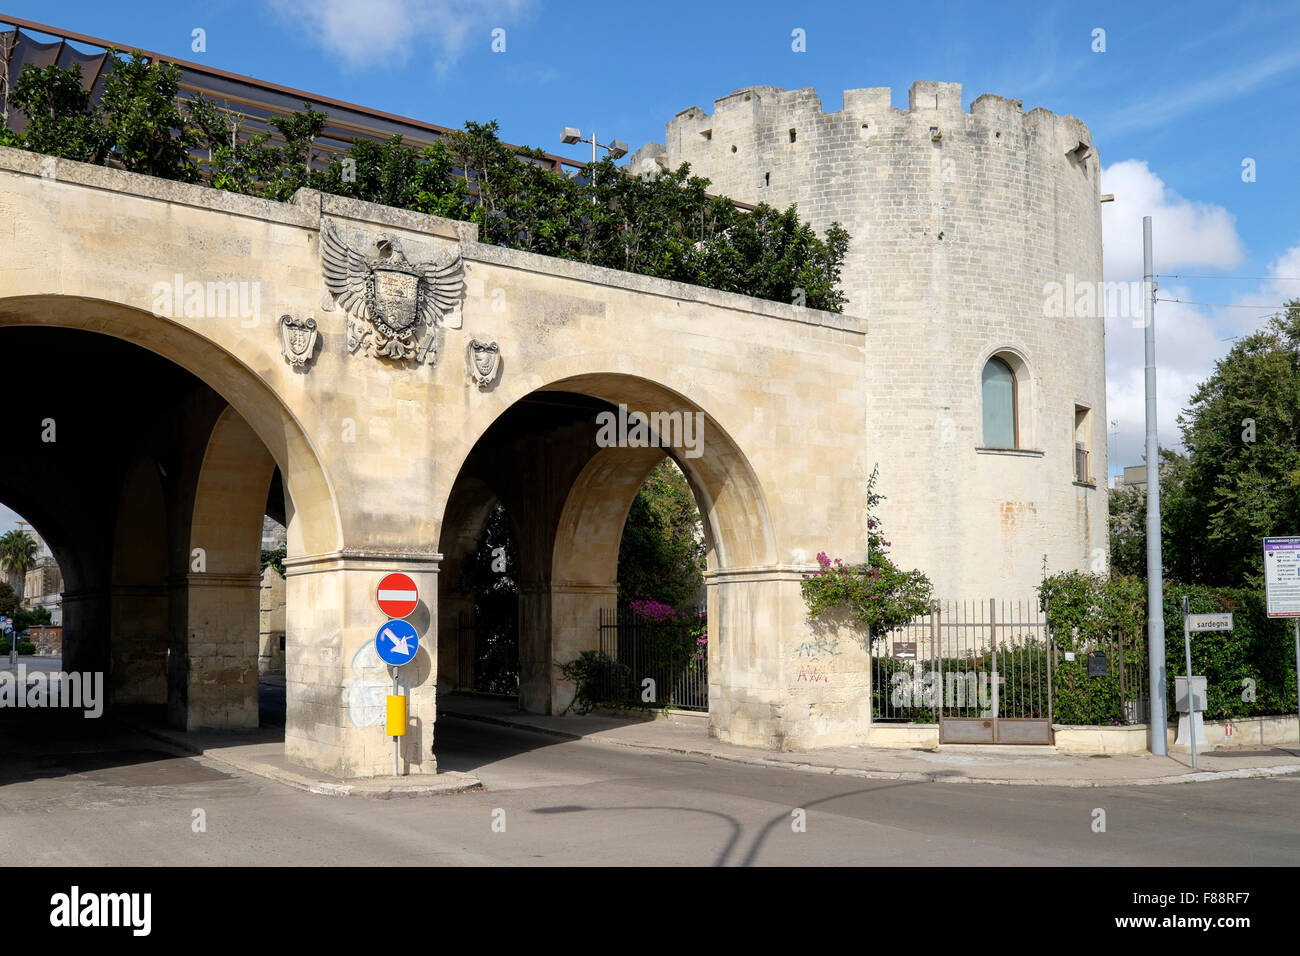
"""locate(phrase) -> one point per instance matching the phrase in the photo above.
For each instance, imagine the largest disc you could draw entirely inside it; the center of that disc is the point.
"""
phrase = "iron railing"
(965, 659)
(999, 659)
(667, 654)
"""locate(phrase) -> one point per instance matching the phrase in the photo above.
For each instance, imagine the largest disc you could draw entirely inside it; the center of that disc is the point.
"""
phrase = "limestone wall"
(960, 222)
(270, 658)
(370, 449)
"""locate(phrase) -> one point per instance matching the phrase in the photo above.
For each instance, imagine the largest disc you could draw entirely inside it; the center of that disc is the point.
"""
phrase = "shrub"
(598, 679)
(1249, 671)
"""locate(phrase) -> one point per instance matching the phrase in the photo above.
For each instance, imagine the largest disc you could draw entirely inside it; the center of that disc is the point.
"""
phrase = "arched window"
(999, 397)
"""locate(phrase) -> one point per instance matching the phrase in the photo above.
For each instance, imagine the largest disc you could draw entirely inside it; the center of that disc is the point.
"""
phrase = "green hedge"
(1257, 650)
(1250, 670)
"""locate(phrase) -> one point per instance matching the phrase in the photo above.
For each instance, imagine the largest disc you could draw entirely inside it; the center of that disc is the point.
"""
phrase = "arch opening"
(548, 458)
(152, 490)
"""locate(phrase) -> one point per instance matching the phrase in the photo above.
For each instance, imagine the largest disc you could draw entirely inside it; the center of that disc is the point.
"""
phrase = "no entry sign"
(397, 595)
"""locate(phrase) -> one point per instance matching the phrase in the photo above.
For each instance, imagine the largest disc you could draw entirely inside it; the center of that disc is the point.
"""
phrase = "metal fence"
(965, 659)
(998, 658)
(488, 655)
(667, 654)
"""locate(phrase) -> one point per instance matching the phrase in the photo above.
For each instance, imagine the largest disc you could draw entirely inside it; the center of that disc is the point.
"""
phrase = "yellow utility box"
(396, 715)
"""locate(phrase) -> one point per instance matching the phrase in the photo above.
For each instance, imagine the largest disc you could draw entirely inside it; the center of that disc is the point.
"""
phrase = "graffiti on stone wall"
(366, 691)
(815, 659)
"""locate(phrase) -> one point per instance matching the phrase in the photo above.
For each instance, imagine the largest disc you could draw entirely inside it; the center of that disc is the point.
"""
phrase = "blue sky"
(1182, 95)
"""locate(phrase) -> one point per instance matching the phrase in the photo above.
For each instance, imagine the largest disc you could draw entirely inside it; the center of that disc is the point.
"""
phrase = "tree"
(17, 557)
(663, 225)
(1128, 538)
(661, 554)
(8, 599)
(141, 119)
(1240, 480)
(60, 121)
(29, 617)
(489, 574)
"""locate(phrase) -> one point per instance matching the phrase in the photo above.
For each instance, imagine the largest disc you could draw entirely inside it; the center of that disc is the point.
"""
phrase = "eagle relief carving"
(394, 307)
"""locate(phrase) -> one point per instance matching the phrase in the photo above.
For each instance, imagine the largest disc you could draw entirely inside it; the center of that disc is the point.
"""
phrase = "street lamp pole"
(617, 148)
(1158, 719)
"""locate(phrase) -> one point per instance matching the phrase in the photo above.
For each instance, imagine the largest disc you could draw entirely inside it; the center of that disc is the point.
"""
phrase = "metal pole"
(396, 692)
(1296, 622)
(1191, 698)
(1159, 719)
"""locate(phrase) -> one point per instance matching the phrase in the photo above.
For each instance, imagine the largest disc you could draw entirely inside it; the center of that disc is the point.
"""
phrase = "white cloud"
(1189, 339)
(389, 32)
(1184, 232)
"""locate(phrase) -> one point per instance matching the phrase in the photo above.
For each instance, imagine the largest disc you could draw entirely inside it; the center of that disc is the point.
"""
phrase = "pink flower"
(823, 560)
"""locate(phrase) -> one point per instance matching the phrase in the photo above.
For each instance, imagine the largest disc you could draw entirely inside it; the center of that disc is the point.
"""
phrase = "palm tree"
(17, 557)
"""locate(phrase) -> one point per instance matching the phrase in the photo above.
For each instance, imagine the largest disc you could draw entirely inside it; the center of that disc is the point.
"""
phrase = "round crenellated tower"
(976, 259)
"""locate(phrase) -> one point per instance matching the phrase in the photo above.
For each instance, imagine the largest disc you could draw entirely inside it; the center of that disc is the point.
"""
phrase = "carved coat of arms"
(484, 362)
(394, 306)
(297, 339)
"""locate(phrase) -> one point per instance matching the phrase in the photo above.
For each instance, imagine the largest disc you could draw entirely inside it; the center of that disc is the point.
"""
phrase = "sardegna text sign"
(1209, 622)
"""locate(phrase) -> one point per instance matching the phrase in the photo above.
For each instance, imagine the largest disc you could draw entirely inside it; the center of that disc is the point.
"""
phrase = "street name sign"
(1209, 622)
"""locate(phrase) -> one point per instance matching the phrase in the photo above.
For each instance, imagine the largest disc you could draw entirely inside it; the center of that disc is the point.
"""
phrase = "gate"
(981, 670)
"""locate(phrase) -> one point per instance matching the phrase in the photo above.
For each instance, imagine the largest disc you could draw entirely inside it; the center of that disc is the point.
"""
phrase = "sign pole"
(396, 693)
(1296, 622)
(1191, 697)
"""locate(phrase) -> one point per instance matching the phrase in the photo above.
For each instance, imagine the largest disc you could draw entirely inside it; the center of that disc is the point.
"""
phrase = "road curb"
(376, 788)
(914, 776)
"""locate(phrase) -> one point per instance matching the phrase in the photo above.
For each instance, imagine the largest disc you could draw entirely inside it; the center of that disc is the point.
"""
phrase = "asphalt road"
(116, 797)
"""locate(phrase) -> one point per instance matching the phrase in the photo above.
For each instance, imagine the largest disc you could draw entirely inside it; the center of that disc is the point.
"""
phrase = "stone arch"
(732, 500)
(468, 509)
(314, 522)
(584, 570)
(215, 675)
(586, 503)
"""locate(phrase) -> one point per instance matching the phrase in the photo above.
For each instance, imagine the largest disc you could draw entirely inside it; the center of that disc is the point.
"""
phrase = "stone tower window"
(792, 134)
(1001, 427)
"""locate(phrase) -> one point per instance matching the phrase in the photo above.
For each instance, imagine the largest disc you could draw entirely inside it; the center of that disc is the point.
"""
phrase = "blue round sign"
(397, 643)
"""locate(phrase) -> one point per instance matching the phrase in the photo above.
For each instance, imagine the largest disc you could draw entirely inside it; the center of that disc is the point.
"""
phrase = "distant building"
(43, 586)
(1134, 476)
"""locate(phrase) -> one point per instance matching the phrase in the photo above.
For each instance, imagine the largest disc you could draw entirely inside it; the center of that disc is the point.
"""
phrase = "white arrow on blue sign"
(397, 643)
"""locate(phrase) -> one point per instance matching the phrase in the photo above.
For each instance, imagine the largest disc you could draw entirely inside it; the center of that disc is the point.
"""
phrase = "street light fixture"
(570, 135)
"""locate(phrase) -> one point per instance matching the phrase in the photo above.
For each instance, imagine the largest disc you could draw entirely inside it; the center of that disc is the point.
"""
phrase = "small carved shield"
(395, 298)
(297, 339)
(484, 362)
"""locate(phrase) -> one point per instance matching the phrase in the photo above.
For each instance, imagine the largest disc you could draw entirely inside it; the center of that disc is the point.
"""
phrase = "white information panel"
(1282, 576)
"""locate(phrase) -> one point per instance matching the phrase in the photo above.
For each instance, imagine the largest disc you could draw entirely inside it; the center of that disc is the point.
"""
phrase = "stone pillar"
(535, 668)
(139, 644)
(271, 626)
(775, 679)
(575, 627)
(336, 684)
(221, 659)
(85, 631)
